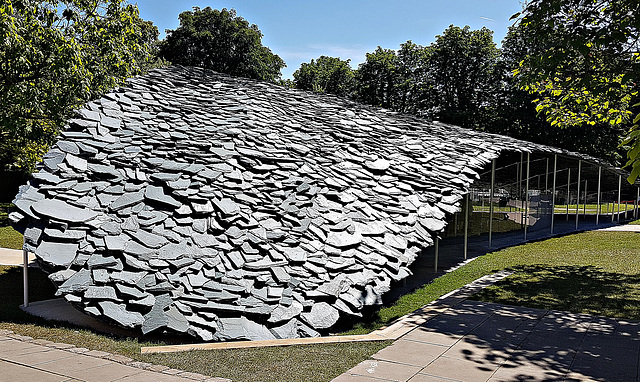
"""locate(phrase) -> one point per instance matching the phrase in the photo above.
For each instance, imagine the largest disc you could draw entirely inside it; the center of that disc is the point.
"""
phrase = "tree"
(375, 78)
(325, 75)
(514, 111)
(461, 62)
(55, 56)
(222, 41)
(588, 69)
(413, 81)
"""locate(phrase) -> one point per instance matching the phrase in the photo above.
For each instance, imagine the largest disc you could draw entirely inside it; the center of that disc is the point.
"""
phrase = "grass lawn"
(9, 238)
(595, 273)
(605, 208)
(592, 272)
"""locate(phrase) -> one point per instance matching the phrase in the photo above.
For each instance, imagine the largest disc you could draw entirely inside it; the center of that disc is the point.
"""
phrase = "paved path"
(25, 359)
(478, 341)
(623, 228)
(13, 256)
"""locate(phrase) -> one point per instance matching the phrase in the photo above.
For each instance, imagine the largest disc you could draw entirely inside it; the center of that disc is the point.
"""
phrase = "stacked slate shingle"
(198, 203)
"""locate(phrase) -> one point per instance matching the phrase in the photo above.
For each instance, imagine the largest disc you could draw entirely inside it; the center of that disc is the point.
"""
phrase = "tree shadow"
(527, 344)
(578, 289)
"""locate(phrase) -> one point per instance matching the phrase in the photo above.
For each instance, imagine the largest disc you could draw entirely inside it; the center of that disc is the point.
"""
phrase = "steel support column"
(546, 177)
(526, 199)
(553, 192)
(466, 225)
(435, 266)
(578, 193)
(568, 191)
(619, 194)
(637, 199)
(598, 206)
(584, 205)
(25, 278)
(493, 180)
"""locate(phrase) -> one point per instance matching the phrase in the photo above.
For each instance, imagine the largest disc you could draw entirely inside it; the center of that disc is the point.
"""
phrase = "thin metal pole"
(568, 191)
(466, 225)
(625, 209)
(598, 206)
(526, 199)
(578, 193)
(619, 192)
(584, 206)
(520, 190)
(637, 200)
(553, 192)
(25, 278)
(435, 267)
(546, 177)
(493, 180)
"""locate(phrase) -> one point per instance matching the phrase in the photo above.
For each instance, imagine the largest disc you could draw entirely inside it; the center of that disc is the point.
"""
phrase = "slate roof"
(190, 201)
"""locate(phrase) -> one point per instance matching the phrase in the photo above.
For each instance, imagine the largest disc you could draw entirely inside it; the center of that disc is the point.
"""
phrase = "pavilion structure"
(194, 202)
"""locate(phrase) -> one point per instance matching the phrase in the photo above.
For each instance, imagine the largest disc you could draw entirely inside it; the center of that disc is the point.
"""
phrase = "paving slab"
(500, 343)
(14, 257)
(15, 372)
(25, 359)
(384, 370)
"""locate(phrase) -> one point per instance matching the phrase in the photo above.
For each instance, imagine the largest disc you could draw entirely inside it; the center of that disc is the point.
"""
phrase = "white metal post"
(466, 225)
(435, 266)
(619, 192)
(625, 209)
(637, 200)
(553, 192)
(568, 190)
(25, 278)
(578, 193)
(520, 189)
(526, 199)
(584, 206)
(546, 178)
(598, 206)
(493, 179)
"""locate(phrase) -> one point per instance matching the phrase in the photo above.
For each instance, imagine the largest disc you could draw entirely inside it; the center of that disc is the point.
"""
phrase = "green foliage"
(586, 66)
(222, 41)
(395, 80)
(462, 63)
(376, 78)
(325, 75)
(514, 111)
(57, 55)
(449, 80)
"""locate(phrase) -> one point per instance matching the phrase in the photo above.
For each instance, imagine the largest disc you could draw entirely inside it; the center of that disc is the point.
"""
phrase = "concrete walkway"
(478, 341)
(25, 359)
(623, 228)
(13, 257)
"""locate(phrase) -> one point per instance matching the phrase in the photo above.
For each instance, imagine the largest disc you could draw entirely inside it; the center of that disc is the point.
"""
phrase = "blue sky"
(299, 30)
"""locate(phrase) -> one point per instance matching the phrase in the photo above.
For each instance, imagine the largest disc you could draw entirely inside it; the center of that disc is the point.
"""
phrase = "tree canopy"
(450, 80)
(222, 41)
(57, 55)
(586, 66)
(325, 75)
(462, 62)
